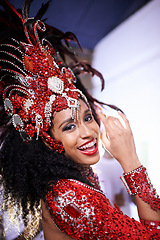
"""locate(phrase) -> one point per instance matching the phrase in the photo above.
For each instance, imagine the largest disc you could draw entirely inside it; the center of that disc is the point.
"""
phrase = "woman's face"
(80, 137)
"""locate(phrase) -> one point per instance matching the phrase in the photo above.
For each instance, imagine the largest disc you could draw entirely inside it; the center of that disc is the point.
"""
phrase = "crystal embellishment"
(17, 122)
(55, 84)
(8, 106)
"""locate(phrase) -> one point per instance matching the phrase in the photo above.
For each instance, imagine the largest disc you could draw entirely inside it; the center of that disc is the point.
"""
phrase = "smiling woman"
(80, 137)
(50, 136)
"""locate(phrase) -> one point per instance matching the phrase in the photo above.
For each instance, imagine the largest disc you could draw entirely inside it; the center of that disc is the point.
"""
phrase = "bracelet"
(129, 180)
(138, 182)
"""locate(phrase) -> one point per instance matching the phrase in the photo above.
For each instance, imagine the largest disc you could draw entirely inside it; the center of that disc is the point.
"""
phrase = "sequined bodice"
(84, 212)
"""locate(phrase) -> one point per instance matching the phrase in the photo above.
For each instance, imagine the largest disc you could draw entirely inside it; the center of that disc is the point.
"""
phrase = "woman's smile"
(80, 138)
(89, 148)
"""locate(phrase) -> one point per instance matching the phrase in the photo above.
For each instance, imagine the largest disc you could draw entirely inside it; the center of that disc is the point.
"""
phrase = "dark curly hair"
(28, 169)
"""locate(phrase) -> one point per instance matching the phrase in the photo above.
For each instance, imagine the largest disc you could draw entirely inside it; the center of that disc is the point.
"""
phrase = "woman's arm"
(118, 140)
(50, 229)
(83, 212)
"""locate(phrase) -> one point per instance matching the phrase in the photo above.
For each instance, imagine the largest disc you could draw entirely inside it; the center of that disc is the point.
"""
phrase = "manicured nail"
(98, 105)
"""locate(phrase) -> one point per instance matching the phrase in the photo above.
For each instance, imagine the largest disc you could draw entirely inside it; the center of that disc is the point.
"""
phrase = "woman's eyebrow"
(70, 119)
(67, 120)
(87, 110)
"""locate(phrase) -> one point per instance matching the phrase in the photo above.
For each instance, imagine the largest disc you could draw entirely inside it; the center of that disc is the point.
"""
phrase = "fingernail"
(98, 110)
(98, 105)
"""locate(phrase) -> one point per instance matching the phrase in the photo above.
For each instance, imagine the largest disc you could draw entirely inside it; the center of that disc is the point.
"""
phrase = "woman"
(50, 137)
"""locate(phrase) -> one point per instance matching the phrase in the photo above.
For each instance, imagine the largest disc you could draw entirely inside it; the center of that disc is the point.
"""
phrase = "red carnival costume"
(34, 84)
(84, 212)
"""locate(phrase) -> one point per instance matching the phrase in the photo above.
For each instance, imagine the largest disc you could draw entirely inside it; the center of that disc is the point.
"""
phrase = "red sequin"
(40, 86)
(97, 218)
(50, 88)
(138, 182)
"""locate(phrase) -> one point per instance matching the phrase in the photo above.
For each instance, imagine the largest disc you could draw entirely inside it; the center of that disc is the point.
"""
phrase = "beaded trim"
(132, 189)
(86, 186)
(138, 182)
(43, 86)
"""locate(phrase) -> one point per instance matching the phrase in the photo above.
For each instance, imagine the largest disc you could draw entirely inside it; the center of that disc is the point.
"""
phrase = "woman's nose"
(85, 131)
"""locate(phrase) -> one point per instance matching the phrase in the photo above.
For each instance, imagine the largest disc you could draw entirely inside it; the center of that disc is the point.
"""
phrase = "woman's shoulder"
(72, 203)
(69, 198)
(70, 188)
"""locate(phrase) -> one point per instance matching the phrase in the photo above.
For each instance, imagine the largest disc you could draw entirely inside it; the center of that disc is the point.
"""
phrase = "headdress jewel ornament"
(42, 87)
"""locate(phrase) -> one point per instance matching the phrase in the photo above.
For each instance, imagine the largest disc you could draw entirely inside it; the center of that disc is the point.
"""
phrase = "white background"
(129, 58)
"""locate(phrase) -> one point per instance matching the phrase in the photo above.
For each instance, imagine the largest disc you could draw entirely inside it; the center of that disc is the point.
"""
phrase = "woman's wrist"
(130, 165)
(138, 183)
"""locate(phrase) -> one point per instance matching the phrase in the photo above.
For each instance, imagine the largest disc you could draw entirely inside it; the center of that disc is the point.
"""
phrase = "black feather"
(42, 10)
(25, 8)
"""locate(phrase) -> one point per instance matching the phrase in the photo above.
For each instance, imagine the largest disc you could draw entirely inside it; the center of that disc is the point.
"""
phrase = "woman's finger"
(124, 119)
(98, 106)
(117, 123)
(105, 139)
(110, 123)
(104, 120)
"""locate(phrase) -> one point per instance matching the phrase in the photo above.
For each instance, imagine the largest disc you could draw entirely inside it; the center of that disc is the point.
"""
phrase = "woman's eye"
(68, 127)
(88, 117)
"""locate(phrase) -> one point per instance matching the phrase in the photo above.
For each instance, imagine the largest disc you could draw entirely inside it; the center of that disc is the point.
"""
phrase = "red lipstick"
(89, 150)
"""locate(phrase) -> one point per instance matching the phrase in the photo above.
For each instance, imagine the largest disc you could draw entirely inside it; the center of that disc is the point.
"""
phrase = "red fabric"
(84, 212)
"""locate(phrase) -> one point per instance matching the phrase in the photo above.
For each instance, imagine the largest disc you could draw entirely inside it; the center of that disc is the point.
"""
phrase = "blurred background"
(121, 39)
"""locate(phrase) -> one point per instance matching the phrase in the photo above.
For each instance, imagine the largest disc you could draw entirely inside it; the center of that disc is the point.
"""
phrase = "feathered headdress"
(34, 83)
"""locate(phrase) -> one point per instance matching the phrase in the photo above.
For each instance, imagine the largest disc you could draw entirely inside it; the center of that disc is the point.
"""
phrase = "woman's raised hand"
(118, 140)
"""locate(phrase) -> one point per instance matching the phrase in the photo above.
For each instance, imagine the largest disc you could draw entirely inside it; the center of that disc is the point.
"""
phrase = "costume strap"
(138, 182)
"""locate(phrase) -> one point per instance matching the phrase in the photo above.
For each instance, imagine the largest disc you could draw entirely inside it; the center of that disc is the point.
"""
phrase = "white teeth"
(88, 145)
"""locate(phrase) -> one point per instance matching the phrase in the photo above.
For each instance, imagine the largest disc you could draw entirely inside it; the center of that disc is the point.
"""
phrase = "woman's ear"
(46, 143)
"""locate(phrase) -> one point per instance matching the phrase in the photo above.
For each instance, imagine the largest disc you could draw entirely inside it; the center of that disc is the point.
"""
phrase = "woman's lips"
(89, 148)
